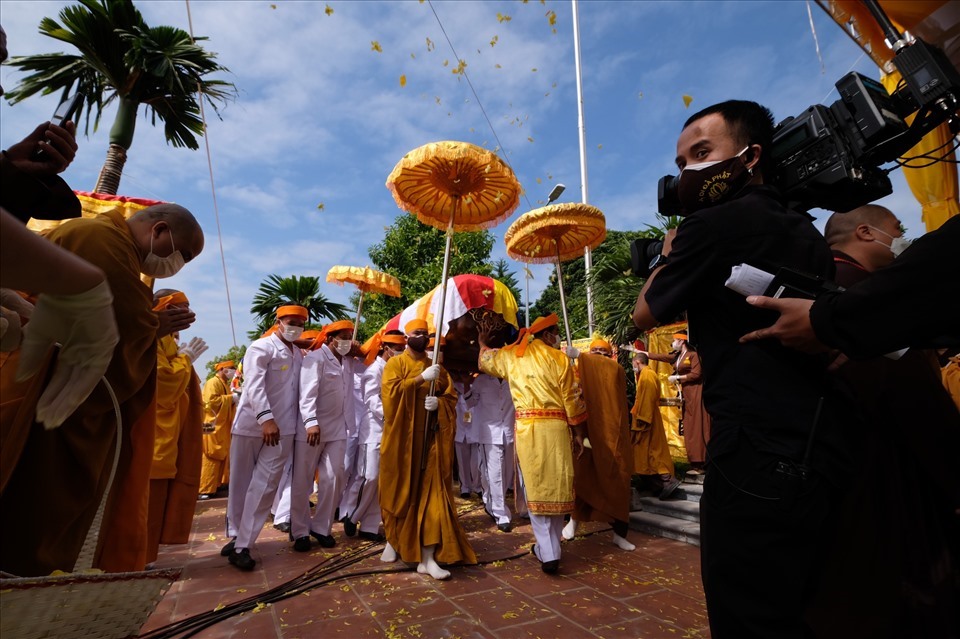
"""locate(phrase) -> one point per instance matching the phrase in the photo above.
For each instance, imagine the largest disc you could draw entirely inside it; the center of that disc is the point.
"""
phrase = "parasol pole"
(443, 283)
(427, 426)
(563, 298)
(587, 253)
(356, 325)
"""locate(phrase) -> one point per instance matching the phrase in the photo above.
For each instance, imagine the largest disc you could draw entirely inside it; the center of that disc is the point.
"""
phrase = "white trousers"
(326, 459)
(496, 475)
(468, 465)
(255, 472)
(366, 507)
(351, 462)
(281, 503)
(547, 531)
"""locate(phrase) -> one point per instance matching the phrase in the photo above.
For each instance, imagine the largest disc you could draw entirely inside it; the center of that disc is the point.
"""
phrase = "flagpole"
(587, 256)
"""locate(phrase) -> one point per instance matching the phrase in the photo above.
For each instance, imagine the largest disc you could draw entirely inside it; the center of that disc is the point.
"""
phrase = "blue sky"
(322, 118)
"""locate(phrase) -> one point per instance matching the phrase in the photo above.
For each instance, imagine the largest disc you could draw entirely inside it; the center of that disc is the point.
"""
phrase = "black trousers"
(763, 528)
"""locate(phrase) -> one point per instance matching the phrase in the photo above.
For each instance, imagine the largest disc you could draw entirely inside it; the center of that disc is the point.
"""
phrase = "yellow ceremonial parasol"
(556, 233)
(454, 186)
(367, 280)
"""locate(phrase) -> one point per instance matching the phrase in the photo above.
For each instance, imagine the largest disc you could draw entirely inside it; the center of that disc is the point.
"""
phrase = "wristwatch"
(660, 260)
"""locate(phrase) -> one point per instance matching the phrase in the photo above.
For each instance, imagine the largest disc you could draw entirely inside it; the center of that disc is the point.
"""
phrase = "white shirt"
(359, 409)
(326, 395)
(491, 410)
(271, 383)
(371, 426)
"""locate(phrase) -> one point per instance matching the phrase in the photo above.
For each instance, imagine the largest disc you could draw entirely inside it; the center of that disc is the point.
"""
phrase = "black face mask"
(712, 184)
(418, 343)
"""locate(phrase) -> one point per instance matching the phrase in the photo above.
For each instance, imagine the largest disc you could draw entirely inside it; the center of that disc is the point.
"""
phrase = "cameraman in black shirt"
(777, 452)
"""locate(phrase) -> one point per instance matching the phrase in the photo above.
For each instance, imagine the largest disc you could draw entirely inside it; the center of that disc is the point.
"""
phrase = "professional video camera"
(830, 157)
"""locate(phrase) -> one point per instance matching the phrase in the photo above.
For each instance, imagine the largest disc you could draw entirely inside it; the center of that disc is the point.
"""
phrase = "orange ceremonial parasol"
(367, 280)
(556, 233)
(458, 187)
(454, 186)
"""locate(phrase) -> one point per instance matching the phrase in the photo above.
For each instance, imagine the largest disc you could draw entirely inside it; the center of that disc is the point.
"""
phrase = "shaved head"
(840, 226)
(183, 226)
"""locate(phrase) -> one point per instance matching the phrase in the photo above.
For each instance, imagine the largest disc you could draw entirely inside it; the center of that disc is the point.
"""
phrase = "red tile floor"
(600, 590)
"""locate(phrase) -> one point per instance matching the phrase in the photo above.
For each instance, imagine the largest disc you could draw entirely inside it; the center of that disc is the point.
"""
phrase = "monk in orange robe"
(219, 408)
(601, 479)
(651, 451)
(175, 473)
(62, 474)
(416, 494)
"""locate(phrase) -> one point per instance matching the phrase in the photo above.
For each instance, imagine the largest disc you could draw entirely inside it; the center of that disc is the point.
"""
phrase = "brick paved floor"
(600, 590)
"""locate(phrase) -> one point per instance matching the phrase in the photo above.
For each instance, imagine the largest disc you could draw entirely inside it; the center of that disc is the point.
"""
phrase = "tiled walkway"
(600, 590)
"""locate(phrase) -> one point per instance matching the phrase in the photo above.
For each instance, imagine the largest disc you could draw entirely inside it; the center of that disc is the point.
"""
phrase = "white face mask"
(897, 245)
(291, 333)
(343, 346)
(230, 373)
(156, 266)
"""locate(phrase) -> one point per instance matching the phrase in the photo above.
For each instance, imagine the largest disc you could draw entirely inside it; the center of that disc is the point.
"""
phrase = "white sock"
(570, 530)
(429, 566)
(622, 543)
(389, 555)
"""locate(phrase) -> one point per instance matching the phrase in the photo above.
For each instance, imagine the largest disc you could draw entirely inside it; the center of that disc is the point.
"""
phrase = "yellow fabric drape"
(936, 186)
(218, 411)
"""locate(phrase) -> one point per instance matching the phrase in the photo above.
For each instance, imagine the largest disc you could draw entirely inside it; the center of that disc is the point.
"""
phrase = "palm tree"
(614, 285)
(304, 291)
(123, 59)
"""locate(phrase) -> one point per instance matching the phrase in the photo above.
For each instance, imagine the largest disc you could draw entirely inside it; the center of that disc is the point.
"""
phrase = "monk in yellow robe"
(219, 407)
(62, 474)
(416, 494)
(602, 474)
(549, 404)
(651, 452)
(175, 472)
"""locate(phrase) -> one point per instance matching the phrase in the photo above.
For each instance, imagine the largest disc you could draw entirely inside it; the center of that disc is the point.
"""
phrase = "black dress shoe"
(375, 537)
(349, 527)
(464, 495)
(242, 559)
(327, 541)
(226, 550)
(550, 567)
(283, 526)
(206, 496)
(302, 544)
(506, 527)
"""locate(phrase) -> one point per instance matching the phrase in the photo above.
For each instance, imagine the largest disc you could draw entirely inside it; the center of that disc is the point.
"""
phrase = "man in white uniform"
(492, 420)
(466, 446)
(263, 431)
(327, 410)
(352, 461)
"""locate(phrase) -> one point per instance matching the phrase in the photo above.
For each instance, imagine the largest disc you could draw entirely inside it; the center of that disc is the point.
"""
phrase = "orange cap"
(293, 310)
(167, 301)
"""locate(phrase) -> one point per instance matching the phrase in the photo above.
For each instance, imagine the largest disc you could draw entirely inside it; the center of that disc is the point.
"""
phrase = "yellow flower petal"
(687, 100)
(403, 80)
(375, 46)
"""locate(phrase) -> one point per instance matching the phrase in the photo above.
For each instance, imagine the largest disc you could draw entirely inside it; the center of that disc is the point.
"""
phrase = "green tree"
(614, 287)
(123, 59)
(302, 290)
(413, 253)
(235, 354)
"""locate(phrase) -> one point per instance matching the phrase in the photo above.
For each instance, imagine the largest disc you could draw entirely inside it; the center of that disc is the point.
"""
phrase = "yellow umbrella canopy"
(366, 279)
(457, 183)
(555, 232)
